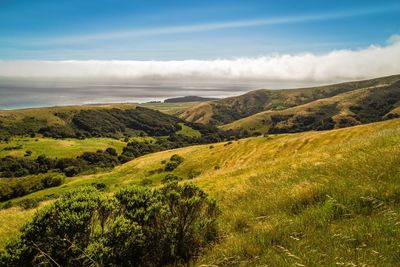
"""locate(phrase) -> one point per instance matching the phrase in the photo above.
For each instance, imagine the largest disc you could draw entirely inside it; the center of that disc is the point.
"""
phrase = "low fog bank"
(44, 83)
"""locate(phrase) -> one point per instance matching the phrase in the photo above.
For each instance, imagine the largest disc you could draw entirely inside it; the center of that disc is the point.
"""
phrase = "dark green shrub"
(136, 227)
(71, 171)
(229, 143)
(100, 186)
(170, 166)
(18, 187)
(171, 178)
(112, 151)
(28, 203)
(176, 158)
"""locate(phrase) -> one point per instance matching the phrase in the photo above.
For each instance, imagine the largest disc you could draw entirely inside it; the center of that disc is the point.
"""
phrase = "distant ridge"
(189, 99)
(370, 98)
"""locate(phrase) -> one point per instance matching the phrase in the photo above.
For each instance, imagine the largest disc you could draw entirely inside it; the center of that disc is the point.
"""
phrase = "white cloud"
(340, 65)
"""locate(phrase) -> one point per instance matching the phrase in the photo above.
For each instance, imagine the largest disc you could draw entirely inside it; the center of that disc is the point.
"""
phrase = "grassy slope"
(233, 108)
(47, 113)
(23, 122)
(169, 108)
(339, 108)
(315, 199)
(54, 148)
(14, 218)
(188, 131)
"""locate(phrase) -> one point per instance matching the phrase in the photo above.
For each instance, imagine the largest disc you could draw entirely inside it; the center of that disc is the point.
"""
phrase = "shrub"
(71, 171)
(193, 174)
(112, 151)
(170, 178)
(22, 186)
(176, 158)
(136, 227)
(229, 143)
(28, 203)
(170, 166)
(100, 186)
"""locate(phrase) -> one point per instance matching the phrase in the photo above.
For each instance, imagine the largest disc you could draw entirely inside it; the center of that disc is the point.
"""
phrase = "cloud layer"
(340, 65)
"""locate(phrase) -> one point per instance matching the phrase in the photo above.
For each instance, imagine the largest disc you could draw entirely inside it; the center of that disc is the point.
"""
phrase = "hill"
(355, 107)
(188, 99)
(109, 120)
(230, 109)
(309, 199)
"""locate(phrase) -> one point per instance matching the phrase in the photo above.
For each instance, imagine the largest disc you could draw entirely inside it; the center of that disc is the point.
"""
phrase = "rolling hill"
(228, 110)
(108, 120)
(355, 107)
(308, 199)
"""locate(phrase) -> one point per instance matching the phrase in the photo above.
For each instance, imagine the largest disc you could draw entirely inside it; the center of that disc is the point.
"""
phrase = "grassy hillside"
(310, 199)
(109, 120)
(347, 109)
(168, 108)
(233, 108)
(53, 148)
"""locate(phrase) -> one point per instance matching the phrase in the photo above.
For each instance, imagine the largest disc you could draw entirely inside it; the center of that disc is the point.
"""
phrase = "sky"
(179, 30)
(242, 43)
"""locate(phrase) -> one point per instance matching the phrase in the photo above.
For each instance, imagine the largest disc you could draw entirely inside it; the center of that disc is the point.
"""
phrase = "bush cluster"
(136, 227)
(18, 167)
(12, 188)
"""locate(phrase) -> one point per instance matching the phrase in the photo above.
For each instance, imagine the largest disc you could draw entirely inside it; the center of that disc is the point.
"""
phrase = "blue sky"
(178, 30)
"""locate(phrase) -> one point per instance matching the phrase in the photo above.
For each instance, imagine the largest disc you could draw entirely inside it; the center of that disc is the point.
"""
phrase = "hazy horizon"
(81, 52)
(31, 93)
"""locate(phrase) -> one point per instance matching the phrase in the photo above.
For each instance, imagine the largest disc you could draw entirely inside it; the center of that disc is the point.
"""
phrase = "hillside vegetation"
(83, 122)
(356, 107)
(324, 198)
(111, 120)
(230, 109)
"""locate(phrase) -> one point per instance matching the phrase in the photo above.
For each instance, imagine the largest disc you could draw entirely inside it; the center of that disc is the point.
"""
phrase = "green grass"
(54, 148)
(188, 131)
(14, 218)
(311, 199)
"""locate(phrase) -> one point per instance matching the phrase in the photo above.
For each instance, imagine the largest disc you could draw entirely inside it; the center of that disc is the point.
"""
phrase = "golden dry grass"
(315, 199)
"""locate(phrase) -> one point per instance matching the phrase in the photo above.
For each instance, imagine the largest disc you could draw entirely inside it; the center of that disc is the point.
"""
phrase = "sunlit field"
(313, 199)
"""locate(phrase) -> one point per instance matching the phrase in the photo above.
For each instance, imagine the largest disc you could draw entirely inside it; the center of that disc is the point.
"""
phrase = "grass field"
(311, 199)
(54, 148)
(186, 130)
